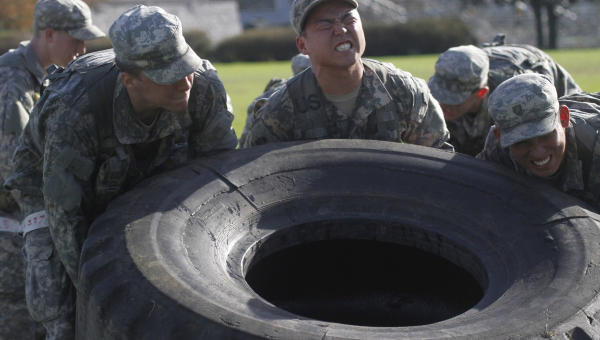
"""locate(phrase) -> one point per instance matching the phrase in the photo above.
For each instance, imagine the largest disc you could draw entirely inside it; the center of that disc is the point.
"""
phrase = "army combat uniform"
(20, 79)
(507, 61)
(272, 86)
(468, 132)
(579, 176)
(83, 146)
(391, 106)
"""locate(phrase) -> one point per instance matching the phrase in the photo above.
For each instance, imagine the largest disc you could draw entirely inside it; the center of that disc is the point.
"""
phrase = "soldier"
(300, 62)
(60, 29)
(466, 75)
(342, 95)
(539, 135)
(107, 121)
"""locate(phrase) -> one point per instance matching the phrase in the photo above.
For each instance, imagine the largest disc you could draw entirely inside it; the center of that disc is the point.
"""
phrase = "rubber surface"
(168, 259)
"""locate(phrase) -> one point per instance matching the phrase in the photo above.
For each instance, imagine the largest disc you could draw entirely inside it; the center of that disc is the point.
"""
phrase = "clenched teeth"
(343, 47)
(542, 162)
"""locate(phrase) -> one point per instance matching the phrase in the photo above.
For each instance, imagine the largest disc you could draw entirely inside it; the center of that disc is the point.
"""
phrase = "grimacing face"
(543, 156)
(333, 36)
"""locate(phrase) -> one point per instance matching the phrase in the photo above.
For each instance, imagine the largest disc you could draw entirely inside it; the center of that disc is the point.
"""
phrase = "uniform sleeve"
(69, 162)
(17, 98)
(212, 132)
(424, 122)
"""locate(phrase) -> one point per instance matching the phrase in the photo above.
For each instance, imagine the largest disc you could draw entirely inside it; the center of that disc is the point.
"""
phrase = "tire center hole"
(364, 283)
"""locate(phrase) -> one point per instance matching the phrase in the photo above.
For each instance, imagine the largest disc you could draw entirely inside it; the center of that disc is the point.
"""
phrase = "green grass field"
(245, 81)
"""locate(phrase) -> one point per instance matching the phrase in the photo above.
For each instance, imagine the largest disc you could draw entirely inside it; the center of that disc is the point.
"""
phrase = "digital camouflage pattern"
(72, 16)
(580, 174)
(151, 39)
(524, 107)
(59, 167)
(300, 62)
(458, 72)
(420, 119)
(505, 62)
(468, 133)
(20, 79)
(273, 85)
(301, 9)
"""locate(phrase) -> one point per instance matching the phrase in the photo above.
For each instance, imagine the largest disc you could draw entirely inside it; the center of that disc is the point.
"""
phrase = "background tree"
(18, 15)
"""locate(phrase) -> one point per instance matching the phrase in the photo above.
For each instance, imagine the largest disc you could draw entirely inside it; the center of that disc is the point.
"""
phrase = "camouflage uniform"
(272, 86)
(468, 133)
(20, 79)
(391, 105)
(579, 175)
(398, 109)
(300, 63)
(84, 145)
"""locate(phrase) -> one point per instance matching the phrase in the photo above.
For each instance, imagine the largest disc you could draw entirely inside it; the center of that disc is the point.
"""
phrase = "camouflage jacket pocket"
(38, 246)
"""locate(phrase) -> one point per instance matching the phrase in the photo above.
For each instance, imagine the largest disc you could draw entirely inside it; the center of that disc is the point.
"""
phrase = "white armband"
(35, 221)
(9, 225)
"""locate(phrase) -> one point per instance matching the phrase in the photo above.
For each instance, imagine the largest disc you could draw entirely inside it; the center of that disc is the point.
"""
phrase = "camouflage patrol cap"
(300, 62)
(523, 107)
(151, 39)
(458, 72)
(72, 16)
(302, 8)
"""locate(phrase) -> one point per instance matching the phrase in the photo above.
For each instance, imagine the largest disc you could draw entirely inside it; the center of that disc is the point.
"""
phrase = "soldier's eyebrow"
(330, 20)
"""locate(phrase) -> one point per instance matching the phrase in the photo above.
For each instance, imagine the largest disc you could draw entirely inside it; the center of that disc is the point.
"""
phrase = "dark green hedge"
(426, 36)
(11, 39)
(198, 40)
(266, 44)
(416, 37)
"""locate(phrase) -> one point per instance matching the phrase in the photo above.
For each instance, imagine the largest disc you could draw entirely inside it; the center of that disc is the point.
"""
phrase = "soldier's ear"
(127, 79)
(49, 34)
(301, 44)
(497, 133)
(565, 116)
(482, 92)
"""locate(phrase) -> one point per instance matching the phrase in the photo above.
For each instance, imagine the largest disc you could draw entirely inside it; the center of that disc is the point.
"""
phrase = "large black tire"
(168, 260)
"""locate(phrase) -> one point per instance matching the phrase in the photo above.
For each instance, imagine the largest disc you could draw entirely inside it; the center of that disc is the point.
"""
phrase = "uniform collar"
(32, 64)
(128, 128)
(372, 96)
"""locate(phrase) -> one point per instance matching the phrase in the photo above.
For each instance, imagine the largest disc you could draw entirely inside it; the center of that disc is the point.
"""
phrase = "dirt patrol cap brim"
(302, 8)
(151, 39)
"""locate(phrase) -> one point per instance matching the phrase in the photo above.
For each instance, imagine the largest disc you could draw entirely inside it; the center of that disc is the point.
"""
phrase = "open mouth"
(343, 47)
(542, 162)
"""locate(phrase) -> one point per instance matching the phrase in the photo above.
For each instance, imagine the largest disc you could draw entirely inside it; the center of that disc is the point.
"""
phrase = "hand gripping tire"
(169, 259)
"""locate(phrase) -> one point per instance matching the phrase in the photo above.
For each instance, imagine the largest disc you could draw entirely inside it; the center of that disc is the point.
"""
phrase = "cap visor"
(87, 33)
(310, 7)
(444, 96)
(528, 130)
(178, 69)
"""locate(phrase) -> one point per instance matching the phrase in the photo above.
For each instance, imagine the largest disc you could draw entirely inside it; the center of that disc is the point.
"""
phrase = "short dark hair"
(133, 70)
